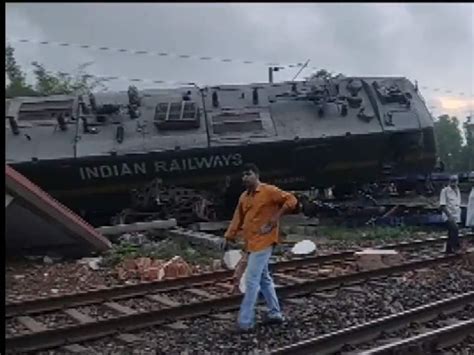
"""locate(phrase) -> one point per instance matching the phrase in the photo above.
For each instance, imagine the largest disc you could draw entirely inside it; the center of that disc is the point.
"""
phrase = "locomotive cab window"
(177, 115)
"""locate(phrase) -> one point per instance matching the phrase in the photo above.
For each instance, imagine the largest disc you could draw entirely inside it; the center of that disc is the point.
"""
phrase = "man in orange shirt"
(257, 216)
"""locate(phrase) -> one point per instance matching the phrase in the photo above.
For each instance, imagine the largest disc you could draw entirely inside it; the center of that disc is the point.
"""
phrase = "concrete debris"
(28, 279)
(469, 257)
(422, 276)
(287, 221)
(137, 227)
(198, 238)
(338, 271)
(370, 259)
(134, 238)
(93, 263)
(210, 226)
(48, 260)
(177, 267)
(324, 272)
(147, 269)
(179, 325)
(216, 264)
(299, 220)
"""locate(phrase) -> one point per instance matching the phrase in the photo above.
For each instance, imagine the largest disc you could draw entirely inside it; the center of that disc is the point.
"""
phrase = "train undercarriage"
(368, 202)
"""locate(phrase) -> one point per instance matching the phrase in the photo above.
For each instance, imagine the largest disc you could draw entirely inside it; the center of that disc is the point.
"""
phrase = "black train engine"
(178, 152)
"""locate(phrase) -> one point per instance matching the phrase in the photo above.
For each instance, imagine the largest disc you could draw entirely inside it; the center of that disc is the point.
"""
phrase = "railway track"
(22, 308)
(206, 299)
(425, 343)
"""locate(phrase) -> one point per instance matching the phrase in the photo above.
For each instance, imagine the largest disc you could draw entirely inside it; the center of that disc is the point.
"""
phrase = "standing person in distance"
(257, 215)
(450, 204)
(470, 210)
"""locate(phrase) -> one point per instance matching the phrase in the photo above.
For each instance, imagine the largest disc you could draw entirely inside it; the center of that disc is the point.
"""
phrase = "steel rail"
(81, 332)
(40, 305)
(428, 342)
(333, 342)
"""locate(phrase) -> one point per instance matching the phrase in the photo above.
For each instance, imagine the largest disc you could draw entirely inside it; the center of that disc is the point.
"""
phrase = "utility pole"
(270, 73)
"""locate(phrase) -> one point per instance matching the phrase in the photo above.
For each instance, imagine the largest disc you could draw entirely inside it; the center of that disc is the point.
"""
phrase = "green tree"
(47, 82)
(449, 142)
(322, 73)
(17, 85)
(467, 152)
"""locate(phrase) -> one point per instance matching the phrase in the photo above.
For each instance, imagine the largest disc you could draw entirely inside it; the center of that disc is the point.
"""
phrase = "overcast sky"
(431, 43)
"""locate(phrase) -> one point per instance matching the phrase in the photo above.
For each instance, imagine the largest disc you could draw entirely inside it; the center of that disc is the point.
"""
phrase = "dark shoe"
(274, 320)
(236, 329)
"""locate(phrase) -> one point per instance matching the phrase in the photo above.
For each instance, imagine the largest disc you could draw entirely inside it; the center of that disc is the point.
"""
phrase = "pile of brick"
(147, 269)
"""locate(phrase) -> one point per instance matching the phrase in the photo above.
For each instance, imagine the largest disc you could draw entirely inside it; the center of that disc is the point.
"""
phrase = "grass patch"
(369, 233)
(163, 250)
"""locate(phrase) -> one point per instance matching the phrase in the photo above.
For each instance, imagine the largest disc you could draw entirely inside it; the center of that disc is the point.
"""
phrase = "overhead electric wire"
(189, 56)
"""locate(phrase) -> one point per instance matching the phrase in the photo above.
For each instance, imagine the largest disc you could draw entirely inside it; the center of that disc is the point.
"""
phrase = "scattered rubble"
(137, 227)
(197, 238)
(161, 247)
(25, 279)
(370, 259)
(469, 258)
(134, 238)
(147, 269)
(219, 226)
(39, 276)
(93, 263)
(48, 260)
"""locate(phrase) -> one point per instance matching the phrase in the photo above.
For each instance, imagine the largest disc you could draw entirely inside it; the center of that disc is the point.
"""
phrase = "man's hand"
(450, 216)
(268, 227)
(224, 244)
(227, 244)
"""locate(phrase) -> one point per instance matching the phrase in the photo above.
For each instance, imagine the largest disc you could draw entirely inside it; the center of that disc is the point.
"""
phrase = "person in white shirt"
(450, 204)
(470, 210)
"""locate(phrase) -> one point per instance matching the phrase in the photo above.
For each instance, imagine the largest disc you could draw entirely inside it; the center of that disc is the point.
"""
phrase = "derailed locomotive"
(179, 151)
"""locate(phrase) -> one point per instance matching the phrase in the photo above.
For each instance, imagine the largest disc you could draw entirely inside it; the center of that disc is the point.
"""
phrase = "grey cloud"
(429, 42)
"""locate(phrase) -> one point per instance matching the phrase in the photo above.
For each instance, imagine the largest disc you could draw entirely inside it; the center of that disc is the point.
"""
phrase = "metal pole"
(206, 119)
(270, 75)
(301, 69)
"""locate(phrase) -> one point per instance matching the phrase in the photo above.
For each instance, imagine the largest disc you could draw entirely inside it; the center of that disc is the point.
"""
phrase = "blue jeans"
(258, 279)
